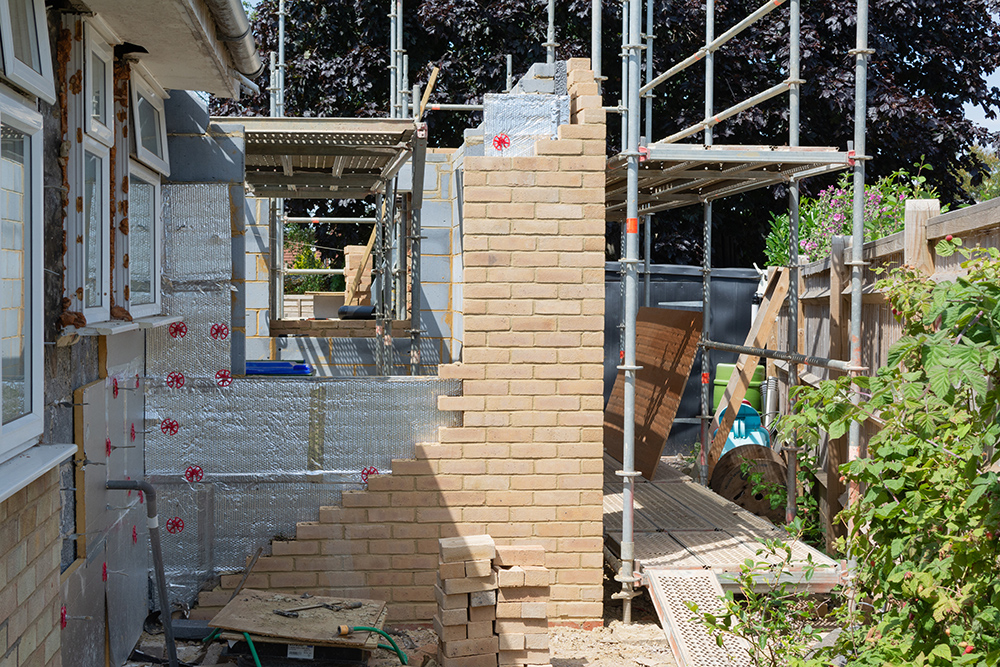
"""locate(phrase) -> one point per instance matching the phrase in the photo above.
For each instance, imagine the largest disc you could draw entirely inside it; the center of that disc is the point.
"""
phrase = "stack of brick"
(522, 625)
(467, 597)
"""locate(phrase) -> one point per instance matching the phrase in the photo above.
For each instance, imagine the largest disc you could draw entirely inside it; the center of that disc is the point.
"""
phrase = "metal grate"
(659, 550)
(692, 644)
(715, 548)
(667, 513)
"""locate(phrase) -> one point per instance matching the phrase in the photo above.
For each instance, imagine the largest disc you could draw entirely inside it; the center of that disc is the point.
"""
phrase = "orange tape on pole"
(632, 226)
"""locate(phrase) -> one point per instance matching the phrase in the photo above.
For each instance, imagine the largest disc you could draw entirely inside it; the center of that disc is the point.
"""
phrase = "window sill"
(112, 327)
(28, 466)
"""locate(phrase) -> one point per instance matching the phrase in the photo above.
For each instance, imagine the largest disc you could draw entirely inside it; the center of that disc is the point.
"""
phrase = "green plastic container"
(722, 374)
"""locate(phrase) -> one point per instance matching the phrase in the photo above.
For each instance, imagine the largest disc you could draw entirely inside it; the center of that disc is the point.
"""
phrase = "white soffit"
(180, 36)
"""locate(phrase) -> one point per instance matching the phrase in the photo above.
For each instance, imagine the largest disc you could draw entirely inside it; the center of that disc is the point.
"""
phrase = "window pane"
(149, 127)
(142, 221)
(22, 17)
(93, 207)
(15, 266)
(98, 102)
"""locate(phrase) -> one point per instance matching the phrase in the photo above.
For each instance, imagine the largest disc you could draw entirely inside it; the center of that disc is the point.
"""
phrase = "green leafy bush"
(924, 520)
(831, 214)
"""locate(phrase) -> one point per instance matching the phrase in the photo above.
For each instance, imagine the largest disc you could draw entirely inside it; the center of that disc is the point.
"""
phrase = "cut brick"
(527, 554)
(483, 599)
(478, 568)
(508, 610)
(526, 626)
(509, 578)
(472, 547)
(537, 642)
(470, 585)
(534, 610)
(479, 629)
(524, 657)
(467, 647)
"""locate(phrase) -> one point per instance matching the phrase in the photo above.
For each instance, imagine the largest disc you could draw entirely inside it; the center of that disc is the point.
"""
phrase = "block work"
(29, 575)
(526, 466)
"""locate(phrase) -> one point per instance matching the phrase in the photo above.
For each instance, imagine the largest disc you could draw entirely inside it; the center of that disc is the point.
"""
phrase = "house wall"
(29, 575)
(526, 465)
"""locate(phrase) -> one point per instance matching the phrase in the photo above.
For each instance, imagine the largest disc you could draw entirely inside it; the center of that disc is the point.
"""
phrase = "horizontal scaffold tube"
(773, 91)
(793, 357)
(314, 272)
(714, 45)
(330, 221)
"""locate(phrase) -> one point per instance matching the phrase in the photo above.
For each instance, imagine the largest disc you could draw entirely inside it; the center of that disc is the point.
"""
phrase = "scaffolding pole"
(596, 21)
(400, 52)
(632, 47)
(791, 449)
(706, 259)
(647, 221)
(415, 237)
(393, 73)
(550, 42)
(861, 53)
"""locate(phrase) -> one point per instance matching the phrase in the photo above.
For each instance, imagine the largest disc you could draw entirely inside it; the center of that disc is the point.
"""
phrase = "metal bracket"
(628, 368)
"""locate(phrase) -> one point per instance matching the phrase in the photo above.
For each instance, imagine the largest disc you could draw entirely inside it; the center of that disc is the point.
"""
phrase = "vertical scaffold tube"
(861, 54)
(624, 96)
(596, 26)
(706, 259)
(550, 44)
(281, 59)
(647, 221)
(791, 450)
(626, 574)
(393, 73)
(400, 50)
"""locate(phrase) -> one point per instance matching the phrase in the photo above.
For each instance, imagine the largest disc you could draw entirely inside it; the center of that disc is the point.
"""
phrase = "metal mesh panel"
(691, 641)
(513, 123)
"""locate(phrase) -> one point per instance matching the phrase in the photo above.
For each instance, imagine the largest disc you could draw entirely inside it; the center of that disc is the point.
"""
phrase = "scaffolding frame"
(631, 94)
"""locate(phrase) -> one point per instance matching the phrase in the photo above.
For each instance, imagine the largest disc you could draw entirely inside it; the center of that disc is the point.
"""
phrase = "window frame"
(142, 88)
(100, 313)
(138, 170)
(22, 433)
(21, 74)
(97, 46)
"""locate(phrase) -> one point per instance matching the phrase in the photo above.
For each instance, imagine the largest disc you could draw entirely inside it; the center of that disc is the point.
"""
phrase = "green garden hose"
(253, 649)
(345, 630)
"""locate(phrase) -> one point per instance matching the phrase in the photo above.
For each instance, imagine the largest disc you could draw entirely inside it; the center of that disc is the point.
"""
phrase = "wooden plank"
(252, 611)
(667, 341)
(352, 289)
(739, 382)
(836, 450)
(915, 250)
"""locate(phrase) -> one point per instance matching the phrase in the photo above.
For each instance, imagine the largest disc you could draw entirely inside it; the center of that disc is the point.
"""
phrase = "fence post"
(915, 250)
(836, 450)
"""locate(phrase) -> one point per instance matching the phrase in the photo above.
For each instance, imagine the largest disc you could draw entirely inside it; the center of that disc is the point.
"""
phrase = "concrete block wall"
(526, 466)
(29, 575)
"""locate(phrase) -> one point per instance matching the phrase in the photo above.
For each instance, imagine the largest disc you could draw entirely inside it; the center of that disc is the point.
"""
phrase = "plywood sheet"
(252, 611)
(666, 343)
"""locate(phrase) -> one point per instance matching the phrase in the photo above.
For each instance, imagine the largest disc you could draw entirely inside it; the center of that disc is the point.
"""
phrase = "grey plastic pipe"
(234, 30)
(153, 521)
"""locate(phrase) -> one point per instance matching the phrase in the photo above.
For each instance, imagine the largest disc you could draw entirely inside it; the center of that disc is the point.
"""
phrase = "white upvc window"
(24, 41)
(20, 276)
(99, 86)
(144, 242)
(95, 233)
(149, 124)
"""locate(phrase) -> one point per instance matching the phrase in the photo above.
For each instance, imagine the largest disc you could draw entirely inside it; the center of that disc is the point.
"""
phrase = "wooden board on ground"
(739, 381)
(666, 343)
(252, 611)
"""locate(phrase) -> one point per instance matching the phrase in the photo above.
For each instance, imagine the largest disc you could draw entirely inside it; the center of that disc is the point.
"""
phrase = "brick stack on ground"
(522, 624)
(466, 593)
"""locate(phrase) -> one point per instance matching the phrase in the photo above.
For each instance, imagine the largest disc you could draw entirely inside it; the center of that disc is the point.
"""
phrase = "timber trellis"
(824, 307)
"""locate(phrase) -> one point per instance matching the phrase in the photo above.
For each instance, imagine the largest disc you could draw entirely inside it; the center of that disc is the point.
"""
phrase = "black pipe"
(154, 543)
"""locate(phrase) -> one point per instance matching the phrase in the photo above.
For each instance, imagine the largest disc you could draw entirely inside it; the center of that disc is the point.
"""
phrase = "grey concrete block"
(186, 112)
(257, 295)
(435, 297)
(437, 241)
(435, 214)
(435, 269)
(206, 158)
(541, 71)
(258, 349)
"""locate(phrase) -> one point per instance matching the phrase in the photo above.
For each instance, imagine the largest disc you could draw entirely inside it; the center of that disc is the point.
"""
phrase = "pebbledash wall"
(526, 465)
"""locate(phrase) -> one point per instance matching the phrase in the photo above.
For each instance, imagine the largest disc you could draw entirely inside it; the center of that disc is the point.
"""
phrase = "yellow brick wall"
(29, 575)
(526, 465)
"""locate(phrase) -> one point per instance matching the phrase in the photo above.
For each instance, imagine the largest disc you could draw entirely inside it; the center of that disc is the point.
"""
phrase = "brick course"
(525, 466)
(29, 575)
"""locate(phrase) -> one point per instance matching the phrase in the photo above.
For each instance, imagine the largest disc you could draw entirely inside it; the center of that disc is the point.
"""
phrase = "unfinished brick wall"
(29, 575)
(526, 466)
